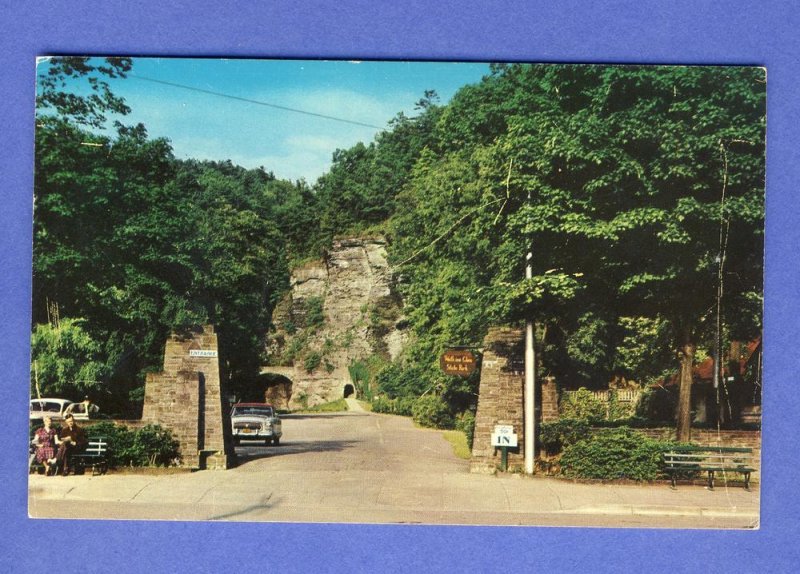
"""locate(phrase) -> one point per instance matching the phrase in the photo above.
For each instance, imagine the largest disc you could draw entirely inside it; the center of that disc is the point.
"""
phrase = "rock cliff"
(340, 310)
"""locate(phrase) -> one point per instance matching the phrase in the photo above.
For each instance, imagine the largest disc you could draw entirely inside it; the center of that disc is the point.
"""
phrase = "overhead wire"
(252, 101)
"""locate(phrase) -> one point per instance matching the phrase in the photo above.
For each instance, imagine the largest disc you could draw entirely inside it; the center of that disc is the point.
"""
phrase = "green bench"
(689, 460)
(94, 456)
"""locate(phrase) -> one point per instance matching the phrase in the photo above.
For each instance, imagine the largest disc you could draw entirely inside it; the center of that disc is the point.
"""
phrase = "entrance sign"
(458, 362)
(202, 353)
(504, 435)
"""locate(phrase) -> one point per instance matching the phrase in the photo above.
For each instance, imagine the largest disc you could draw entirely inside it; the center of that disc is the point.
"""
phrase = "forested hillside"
(639, 192)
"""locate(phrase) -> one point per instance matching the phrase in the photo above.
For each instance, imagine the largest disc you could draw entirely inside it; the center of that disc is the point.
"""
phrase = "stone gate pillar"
(187, 399)
(549, 400)
(500, 398)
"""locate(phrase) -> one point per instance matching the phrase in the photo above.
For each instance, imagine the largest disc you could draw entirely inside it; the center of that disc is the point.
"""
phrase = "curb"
(663, 511)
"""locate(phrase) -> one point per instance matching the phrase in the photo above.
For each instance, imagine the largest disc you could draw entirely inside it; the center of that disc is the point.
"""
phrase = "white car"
(56, 409)
(255, 421)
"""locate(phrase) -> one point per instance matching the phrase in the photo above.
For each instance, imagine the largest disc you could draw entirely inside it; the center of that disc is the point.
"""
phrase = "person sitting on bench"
(44, 439)
(71, 439)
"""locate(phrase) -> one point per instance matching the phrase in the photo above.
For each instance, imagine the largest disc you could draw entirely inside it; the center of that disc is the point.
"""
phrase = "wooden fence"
(623, 395)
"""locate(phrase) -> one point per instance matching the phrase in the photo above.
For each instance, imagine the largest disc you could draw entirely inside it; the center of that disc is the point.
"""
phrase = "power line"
(257, 102)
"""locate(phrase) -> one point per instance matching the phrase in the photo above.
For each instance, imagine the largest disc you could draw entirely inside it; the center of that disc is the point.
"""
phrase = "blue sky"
(292, 145)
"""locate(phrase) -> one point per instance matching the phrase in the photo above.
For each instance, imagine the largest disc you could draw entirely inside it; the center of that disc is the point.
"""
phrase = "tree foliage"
(637, 190)
(139, 244)
(67, 360)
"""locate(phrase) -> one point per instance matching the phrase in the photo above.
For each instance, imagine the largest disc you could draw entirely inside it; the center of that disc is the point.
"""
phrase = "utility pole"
(530, 365)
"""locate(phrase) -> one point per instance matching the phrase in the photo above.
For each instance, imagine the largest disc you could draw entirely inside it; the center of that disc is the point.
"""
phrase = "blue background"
(645, 31)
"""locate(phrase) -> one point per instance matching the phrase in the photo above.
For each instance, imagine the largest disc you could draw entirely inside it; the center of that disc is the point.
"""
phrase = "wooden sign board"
(458, 362)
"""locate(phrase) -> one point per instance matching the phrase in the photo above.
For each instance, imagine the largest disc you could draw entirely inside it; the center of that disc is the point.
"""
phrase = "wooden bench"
(689, 460)
(95, 455)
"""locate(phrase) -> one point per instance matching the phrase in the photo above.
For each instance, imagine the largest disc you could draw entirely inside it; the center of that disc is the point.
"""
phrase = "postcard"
(397, 292)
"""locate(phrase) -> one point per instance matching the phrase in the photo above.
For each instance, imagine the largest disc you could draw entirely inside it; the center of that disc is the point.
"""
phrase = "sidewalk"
(309, 496)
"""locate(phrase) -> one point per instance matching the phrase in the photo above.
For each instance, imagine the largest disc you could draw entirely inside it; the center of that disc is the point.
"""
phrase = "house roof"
(703, 372)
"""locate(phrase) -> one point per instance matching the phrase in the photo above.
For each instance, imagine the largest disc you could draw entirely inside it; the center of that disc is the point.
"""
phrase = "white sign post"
(504, 438)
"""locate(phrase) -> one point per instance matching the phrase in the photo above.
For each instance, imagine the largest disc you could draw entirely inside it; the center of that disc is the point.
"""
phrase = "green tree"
(359, 190)
(58, 78)
(139, 244)
(66, 361)
(638, 189)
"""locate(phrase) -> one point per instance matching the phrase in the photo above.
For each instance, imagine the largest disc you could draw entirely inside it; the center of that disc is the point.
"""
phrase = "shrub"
(151, 445)
(154, 446)
(657, 403)
(465, 422)
(618, 410)
(360, 375)
(557, 435)
(582, 405)
(614, 453)
(315, 315)
(397, 381)
(401, 406)
(312, 361)
(404, 406)
(296, 346)
(336, 406)
(432, 411)
(381, 405)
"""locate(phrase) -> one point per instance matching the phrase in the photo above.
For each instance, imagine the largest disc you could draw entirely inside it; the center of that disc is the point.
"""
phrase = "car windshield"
(245, 411)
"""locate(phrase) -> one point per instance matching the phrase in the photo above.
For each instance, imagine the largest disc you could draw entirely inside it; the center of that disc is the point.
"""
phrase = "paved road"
(369, 468)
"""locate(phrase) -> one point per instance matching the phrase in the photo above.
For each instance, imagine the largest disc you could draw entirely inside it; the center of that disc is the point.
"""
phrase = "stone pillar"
(170, 400)
(187, 399)
(500, 398)
(549, 400)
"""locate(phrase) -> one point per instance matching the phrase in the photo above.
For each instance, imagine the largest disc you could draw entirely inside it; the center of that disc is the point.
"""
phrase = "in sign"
(509, 440)
(503, 435)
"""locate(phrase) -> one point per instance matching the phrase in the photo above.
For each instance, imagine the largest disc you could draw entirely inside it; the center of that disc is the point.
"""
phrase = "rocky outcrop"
(339, 311)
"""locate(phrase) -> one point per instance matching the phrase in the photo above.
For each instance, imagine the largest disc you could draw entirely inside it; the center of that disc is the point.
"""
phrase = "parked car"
(83, 411)
(56, 409)
(255, 421)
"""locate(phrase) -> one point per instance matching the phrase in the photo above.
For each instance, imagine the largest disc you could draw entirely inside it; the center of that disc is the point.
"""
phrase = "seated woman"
(44, 440)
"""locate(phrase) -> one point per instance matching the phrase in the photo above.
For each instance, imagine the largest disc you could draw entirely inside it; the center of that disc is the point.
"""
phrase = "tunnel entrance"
(274, 389)
(349, 390)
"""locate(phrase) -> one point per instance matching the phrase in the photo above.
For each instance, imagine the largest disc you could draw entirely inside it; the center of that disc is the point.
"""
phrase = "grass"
(332, 407)
(366, 405)
(458, 440)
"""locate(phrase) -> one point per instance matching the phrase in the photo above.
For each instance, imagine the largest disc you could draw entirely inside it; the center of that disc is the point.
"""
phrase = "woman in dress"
(44, 439)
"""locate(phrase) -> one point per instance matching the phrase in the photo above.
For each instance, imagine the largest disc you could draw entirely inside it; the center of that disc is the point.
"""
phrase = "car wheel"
(276, 441)
(268, 441)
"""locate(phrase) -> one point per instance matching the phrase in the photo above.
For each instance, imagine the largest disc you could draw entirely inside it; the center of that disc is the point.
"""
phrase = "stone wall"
(187, 399)
(549, 400)
(500, 398)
